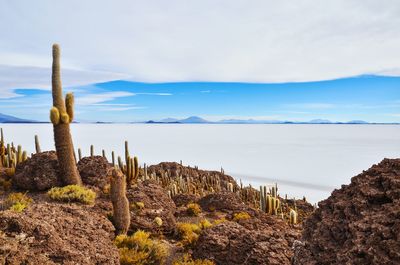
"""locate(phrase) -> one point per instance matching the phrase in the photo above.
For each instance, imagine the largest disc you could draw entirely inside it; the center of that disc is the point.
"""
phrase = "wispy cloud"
(90, 99)
(310, 105)
(155, 94)
(23, 77)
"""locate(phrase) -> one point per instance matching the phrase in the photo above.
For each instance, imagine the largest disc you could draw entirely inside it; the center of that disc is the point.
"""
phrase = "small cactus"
(121, 215)
(37, 144)
(292, 217)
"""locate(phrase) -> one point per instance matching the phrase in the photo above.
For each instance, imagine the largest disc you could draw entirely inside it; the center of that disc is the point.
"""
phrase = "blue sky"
(369, 98)
(218, 59)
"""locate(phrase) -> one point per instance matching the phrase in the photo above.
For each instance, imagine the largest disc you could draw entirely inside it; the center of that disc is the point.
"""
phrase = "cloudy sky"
(287, 60)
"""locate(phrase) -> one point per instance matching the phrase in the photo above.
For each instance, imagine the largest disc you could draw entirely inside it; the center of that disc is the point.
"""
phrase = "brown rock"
(223, 201)
(232, 243)
(157, 203)
(184, 199)
(52, 233)
(357, 224)
(40, 172)
(95, 171)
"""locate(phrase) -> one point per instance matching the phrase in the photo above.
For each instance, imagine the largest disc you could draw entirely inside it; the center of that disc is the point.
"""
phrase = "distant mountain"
(169, 120)
(194, 119)
(320, 121)
(357, 122)
(11, 119)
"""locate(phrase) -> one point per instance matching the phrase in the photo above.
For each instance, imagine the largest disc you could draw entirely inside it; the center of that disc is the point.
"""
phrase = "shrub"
(187, 260)
(188, 233)
(193, 209)
(137, 206)
(218, 221)
(17, 202)
(204, 224)
(240, 216)
(139, 249)
(72, 193)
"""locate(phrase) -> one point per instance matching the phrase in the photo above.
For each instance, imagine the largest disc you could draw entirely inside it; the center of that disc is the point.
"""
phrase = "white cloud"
(311, 105)
(209, 40)
(95, 98)
(12, 77)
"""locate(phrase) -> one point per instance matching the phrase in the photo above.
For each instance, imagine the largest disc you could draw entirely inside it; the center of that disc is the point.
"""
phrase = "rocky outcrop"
(52, 233)
(156, 203)
(224, 201)
(40, 172)
(234, 244)
(95, 171)
(357, 224)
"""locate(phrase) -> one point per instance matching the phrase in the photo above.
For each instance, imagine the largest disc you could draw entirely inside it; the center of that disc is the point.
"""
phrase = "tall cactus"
(61, 115)
(121, 215)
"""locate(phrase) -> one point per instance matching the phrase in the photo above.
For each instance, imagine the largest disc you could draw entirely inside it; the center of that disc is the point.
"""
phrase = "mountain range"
(198, 120)
(11, 119)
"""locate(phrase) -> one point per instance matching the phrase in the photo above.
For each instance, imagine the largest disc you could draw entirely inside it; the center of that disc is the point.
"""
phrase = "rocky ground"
(358, 224)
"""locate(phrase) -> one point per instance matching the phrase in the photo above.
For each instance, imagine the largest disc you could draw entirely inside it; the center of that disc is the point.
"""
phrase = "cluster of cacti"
(61, 115)
(269, 202)
(131, 166)
(10, 156)
(121, 214)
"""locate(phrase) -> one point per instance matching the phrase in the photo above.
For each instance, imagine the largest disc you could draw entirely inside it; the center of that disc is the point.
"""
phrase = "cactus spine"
(59, 116)
(121, 215)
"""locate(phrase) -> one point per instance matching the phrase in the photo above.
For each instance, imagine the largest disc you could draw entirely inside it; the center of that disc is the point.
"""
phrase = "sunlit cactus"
(59, 116)
(121, 215)
(292, 217)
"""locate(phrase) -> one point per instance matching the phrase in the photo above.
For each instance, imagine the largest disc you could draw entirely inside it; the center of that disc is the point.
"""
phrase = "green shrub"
(187, 260)
(72, 193)
(193, 209)
(17, 202)
(139, 249)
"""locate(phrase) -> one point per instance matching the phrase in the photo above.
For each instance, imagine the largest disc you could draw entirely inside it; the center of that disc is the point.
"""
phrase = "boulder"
(95, 171)
(52, 233)
(156, 203)
(40, 172)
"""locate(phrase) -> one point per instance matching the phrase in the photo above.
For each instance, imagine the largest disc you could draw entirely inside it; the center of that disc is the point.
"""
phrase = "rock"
(52, 233)
(357, 224)
(184, 199)
(156, 202)
(95, 171)
(40, 172)
(223, 201)
(232, 243)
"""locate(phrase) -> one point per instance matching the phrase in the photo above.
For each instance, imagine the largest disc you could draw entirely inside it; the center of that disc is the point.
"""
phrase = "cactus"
(113, 158)
(91, 150)
(79, 154)
(292, 217)
(121, 215)
(230, 187)
(37, 144)
(59, 116)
